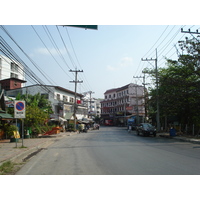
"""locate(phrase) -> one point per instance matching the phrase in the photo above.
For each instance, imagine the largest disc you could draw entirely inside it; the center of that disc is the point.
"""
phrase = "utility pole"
(145, 102)
(157, 97)
(90, 92)
(136, 86)
(182, 31)
(75, 103)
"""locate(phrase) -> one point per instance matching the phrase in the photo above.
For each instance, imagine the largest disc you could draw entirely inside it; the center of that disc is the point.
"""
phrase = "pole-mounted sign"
(20, 109)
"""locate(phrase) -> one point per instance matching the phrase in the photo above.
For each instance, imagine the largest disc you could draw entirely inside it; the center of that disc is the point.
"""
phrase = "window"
(71, 100)
(14, 67)
(65, 98)
(58, 96)
(13, 75)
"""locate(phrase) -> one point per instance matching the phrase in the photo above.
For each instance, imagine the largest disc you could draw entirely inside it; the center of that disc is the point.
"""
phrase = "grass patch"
(9, 168)
(6, 168)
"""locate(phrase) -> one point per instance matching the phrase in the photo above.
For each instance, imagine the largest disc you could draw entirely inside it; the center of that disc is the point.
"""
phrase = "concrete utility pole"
(145, 102)
(136, 86)
(75, 106)
(90, 92)
(157, 97)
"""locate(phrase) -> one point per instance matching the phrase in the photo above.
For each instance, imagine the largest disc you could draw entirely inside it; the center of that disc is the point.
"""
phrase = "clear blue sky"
(109, 56)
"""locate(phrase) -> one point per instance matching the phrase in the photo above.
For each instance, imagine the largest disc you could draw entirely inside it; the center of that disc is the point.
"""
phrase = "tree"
(37, 111)
(179, 86)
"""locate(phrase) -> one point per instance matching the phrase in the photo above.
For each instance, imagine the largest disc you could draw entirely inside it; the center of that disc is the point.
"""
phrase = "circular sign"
(20, 106)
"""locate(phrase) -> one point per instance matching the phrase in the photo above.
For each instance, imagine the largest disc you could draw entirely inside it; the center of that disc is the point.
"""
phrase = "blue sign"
(20, 106)
(20, 109)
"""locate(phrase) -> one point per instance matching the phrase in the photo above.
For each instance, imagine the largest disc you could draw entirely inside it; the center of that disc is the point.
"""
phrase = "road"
(113, 151)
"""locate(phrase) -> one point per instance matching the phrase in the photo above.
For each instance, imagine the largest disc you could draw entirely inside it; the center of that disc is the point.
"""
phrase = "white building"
(62, 100)
(10, 69)
(93, 105)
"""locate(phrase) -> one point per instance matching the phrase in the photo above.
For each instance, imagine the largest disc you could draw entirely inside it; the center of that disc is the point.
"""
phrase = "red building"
(11, 83)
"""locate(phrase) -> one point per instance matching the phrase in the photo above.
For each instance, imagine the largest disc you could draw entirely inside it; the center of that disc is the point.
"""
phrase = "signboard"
(129, 108)
(19, 109)
(94, 27)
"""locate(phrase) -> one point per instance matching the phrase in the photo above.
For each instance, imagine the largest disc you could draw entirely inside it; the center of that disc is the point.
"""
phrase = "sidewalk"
(8, 150)
(191, 139)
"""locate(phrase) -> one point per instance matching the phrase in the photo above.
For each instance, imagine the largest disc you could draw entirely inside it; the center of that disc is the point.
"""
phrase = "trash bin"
(172, 132)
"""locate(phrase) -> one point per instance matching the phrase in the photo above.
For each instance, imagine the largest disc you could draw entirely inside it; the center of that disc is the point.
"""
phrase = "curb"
(192, 140)
(23, 155)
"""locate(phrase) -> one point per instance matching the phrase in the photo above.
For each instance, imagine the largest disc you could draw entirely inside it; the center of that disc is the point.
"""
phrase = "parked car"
(146, 129)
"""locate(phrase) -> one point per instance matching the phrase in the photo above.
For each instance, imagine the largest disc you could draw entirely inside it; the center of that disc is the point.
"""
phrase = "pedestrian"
(129, 129)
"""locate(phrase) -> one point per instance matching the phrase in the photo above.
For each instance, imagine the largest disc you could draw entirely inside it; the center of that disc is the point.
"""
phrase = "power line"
(50, 52)
(77, 57)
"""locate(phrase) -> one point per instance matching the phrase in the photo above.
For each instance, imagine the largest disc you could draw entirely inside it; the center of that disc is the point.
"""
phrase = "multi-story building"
(93, 105)
(62, 100)
(121, 103)
(11, 69)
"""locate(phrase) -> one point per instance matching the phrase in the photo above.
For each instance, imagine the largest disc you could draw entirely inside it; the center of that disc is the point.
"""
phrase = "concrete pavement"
(11, 151)
(8, 150)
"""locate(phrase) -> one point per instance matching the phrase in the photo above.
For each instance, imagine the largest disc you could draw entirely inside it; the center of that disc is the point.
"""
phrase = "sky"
(110, 57)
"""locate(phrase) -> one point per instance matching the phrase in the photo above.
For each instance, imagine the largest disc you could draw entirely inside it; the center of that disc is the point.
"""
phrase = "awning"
(69, 116)
(5, 116)
(62, 119)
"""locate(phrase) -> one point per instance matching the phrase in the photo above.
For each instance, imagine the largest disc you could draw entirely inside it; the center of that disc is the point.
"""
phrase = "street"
(114, 151)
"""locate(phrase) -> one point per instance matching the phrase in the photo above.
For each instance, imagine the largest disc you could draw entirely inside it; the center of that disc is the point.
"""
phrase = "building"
(11, 69)
(121, 103)
(62, 100)
(93, 105)
(11, 83)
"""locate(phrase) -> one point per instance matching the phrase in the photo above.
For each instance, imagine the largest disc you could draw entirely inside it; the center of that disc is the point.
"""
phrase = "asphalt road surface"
(113, 151)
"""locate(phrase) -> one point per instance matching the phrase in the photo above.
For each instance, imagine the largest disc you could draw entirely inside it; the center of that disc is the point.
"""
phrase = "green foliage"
(179, 86)
(6, 168)
(37, 112)
(9, 129)
(37, 100)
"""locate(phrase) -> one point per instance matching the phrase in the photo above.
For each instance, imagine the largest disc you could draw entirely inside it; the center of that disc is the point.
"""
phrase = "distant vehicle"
(108, 122)
(146, 129)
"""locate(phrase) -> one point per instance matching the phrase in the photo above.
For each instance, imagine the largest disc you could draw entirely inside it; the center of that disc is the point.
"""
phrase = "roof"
(15, 79)
(111, 90)
(4, 116)
(117, 89)
(123, 88)
(57, 87)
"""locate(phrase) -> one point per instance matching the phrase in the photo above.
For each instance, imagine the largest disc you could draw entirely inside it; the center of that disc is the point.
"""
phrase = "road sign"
(19, 109)
(94, 27)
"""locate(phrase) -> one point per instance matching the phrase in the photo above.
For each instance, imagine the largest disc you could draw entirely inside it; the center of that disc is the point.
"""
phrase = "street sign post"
(20, 109)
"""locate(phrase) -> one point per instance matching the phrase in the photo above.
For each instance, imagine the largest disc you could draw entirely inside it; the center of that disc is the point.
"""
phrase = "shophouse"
(121, 103)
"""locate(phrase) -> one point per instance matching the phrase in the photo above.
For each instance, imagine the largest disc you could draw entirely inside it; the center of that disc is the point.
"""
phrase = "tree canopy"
(179, 86)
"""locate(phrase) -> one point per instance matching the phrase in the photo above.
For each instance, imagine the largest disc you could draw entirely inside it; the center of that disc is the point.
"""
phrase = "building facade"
(62, 100)
(11, 69)
(121, 103)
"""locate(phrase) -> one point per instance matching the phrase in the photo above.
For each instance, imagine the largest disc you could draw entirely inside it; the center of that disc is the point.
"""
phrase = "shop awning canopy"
(5, 116)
